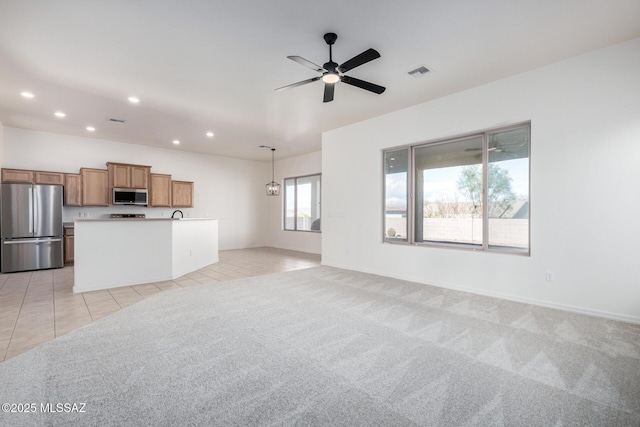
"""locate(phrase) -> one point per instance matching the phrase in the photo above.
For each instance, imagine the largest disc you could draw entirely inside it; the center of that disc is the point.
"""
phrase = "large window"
(302, 203)
(465, 192)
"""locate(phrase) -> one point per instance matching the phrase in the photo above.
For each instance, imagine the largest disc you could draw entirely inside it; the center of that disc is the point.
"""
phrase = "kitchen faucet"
(174, 212)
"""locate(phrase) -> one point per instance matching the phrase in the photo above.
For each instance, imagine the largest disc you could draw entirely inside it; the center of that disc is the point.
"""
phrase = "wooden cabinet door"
(95, 187)
(69, 249)
(17, 175)
(139, 176)
(160, 191)
(73, 189)
(121, 175)
(182, 194)
(49, 178)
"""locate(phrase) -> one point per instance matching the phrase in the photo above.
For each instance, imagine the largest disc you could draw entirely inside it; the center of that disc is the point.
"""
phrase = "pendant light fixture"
(273, 188)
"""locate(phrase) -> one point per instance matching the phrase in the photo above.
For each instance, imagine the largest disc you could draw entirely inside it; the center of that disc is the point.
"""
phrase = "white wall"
(1, 143)
(307, 164)
(585, 177)
(231, 190)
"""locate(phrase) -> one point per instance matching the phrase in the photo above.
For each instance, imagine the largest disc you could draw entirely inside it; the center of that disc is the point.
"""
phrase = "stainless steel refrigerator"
(31, 227)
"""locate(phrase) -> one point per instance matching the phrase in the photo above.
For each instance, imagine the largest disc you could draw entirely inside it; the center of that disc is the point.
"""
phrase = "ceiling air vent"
(419, 72)
(116, 120)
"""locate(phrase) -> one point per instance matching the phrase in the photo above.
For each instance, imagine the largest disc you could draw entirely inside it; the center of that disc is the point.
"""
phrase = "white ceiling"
(200, 65)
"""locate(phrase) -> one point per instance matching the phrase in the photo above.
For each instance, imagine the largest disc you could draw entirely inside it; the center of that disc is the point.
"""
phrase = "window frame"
(295, 203)
(412, 199)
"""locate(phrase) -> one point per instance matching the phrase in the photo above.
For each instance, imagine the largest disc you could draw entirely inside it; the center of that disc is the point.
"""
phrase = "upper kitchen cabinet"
(17, 175)
(49, 178)
(182, 194)
(160, 191)
(32, 177)
(123, 175)
(95, 187)
(73, 189)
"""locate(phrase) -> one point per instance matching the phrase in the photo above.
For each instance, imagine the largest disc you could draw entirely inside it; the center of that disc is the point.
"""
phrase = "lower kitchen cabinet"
(69, 244)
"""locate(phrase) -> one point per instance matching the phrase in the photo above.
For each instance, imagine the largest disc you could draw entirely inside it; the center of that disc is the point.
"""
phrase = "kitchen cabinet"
(122, 175)
(17, 175)
(160, 191)
(95, 187)
(69, 242)
(140, 176)
(182, 194)
(49, 178)
(32, 177)
(72, 189)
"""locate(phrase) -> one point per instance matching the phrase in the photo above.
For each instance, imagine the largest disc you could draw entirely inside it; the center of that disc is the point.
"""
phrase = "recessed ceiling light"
(91, 128)
(175, 141)
(27, 95)
(133, 100)
(210, 134)
(60, 114)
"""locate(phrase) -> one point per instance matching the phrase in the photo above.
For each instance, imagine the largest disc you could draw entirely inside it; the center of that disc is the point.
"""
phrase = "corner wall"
(585, 125)
(228, 189)
(304, 241)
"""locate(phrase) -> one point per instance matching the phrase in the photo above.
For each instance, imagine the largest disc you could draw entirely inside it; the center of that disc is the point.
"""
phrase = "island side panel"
(195, 245)
(114, 253)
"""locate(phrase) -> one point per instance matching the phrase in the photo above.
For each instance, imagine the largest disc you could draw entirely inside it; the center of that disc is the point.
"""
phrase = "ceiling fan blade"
(304, 82)
(362, 84)
(356, 61)
(306, 63)
(328, 92)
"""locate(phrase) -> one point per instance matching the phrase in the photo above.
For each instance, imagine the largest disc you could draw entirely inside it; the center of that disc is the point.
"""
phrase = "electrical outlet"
(550, 277)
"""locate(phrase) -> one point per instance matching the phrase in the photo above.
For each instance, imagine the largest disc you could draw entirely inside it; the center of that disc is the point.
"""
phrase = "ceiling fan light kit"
(333, 73)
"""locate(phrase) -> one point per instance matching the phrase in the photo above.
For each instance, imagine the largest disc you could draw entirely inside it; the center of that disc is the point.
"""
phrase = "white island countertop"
(114, 252)
(143, 219)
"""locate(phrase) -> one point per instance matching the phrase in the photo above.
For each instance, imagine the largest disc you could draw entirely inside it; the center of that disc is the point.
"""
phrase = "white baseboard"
(541, 303)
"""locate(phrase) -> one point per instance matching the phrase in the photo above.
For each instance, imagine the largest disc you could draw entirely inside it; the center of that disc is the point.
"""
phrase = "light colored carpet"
(325, 346)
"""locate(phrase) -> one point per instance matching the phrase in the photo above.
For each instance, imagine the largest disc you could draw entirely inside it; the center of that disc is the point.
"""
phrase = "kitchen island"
(110, 253)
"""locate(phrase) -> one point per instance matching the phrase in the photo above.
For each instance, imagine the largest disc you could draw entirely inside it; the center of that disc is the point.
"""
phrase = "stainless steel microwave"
(130, 196)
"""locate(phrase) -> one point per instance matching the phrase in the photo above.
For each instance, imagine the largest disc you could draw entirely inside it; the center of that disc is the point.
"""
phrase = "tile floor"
(38, 306)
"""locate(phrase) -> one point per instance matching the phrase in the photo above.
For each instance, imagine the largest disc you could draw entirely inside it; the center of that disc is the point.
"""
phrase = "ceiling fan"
(333, 73)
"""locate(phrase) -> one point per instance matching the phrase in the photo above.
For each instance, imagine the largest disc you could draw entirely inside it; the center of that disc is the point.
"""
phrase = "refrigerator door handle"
(35, 211)
(23, 241)
(31, 220)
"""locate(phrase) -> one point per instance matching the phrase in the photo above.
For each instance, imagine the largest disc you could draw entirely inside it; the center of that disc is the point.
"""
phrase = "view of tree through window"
(508, 182)
(471, 191)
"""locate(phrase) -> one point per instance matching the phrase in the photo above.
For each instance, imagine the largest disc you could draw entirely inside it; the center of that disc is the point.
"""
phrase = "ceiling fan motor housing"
(330, 38)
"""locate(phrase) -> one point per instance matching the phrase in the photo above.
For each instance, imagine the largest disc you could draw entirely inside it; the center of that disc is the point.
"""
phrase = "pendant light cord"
(272, 165)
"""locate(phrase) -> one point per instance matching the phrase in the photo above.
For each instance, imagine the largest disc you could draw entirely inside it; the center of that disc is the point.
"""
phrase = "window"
(396, 168)
(302, 203)
(468, 192)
